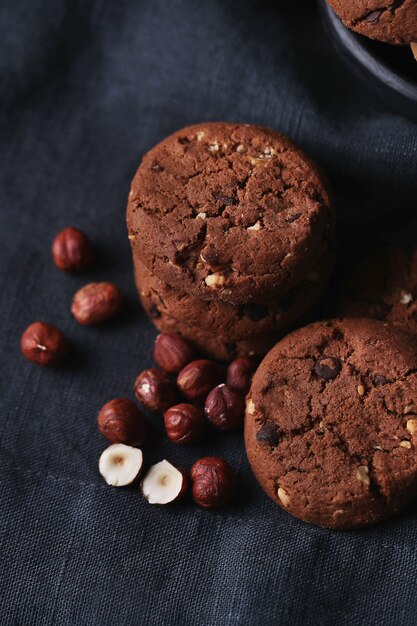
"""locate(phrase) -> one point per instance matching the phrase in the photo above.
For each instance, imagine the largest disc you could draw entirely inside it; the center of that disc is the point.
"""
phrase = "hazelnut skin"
(197, 378)
(72, 250)
(120, 421)
(96, 303)
(212, 482)
(225, 408)
(155, 390)
(184, 423)
(240, 373)
(43, 344)
(171, 352)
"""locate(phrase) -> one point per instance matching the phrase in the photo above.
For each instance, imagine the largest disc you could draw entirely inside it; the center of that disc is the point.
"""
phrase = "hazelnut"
(120, 421)
(155, 390)
(240, 372)
(225, 408)
(213, 482)
(43, 344)
(120, 465)
(184, 423)
(72, 250)
(171, 352)
(96, 303)
(197, 378)
(164, 483)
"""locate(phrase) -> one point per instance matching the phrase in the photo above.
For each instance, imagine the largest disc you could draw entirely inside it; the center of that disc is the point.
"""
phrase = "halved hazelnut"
(120, 464)
(164, 483)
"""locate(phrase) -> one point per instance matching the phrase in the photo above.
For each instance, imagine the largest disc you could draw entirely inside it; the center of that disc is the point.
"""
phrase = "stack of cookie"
(232, 231)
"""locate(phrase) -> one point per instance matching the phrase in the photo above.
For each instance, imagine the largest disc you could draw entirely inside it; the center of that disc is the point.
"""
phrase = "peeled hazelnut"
(120, 465)
(120, 421)
(184, 423)
(43, 344)
(240, 372)
(171, 352)
(197, 378)
(225, 408)
(164, 483)
(72, 250)
(155, 390)
(213, 482)
(96, 303)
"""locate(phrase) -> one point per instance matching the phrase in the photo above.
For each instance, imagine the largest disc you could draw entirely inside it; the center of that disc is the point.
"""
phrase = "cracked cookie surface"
(229, 212)
(383, 286)
(331, 422)
(392, 21)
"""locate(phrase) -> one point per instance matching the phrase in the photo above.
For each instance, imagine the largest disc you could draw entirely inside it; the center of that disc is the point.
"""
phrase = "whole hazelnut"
(155, 390)
(171, 352)
(197, 378)
(240, 372)
(43, 344)
(184, 423)
(72, 250)
(96, 303)
(213, 482)
(120, 421)
(225, 408)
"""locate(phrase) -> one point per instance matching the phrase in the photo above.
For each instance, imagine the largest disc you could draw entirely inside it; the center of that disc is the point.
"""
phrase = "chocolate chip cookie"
(227, 322)
(393, 21)
(229, 212)
(383, 286)
(331, 422)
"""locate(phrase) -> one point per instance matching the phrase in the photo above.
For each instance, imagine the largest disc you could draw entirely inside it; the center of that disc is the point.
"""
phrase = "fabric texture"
(87, 88)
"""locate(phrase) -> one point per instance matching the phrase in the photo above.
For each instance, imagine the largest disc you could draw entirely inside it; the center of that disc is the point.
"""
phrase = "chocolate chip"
(210, 257)
(228, 200)
(374, 16)
(380, 380)
(380, 309)
(327, 367)
(268, 434)
(292, 218)
(254, 312)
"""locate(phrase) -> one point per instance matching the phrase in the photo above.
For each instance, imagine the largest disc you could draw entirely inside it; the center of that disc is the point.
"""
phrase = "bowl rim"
(357, 48)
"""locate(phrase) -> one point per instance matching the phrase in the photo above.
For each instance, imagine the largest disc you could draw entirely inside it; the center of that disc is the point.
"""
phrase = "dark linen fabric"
(87, 86)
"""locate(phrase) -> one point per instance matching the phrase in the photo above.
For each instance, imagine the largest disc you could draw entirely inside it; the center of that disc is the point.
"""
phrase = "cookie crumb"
(201, 216)
(200, 135)
(361, 390)
(132, 237)
(214, 147)
(409, 408)
(362, 474)
(240, 148)
(283, 496)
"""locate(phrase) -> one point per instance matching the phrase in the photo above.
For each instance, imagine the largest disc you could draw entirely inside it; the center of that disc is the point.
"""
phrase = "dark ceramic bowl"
(392, 70)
